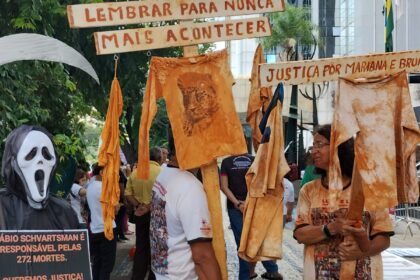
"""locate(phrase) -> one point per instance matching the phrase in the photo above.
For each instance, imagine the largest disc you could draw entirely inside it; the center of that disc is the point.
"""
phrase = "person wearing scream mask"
(28, 165)
(322, 228)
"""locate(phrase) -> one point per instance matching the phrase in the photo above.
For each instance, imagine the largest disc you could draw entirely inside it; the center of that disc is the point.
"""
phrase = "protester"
(288, 201)
(139, 195)
(77, 196)
(293, 174)
(127, 173)
(309, 172)
(28, 165)
(321, 228)
(234, 187)
(180, 229)
(127, 170)
(103, 251)
(119, 218)
(164, 154)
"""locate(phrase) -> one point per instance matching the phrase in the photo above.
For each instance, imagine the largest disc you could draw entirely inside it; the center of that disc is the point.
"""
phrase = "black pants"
(119, 221)
(141, 264)
(102, 252)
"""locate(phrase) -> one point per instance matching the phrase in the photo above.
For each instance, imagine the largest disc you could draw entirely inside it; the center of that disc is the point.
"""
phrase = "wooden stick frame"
(330, 69)
(106, 14)
(147, 11)
(352, 67)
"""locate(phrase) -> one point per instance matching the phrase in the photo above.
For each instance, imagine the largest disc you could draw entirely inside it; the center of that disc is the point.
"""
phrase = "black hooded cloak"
(16, 209)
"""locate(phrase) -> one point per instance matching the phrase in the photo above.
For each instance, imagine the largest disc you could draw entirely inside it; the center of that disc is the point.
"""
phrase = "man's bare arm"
(205, 261)
(132, 200)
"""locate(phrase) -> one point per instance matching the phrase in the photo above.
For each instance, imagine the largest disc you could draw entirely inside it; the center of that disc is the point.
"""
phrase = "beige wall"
(240, 94)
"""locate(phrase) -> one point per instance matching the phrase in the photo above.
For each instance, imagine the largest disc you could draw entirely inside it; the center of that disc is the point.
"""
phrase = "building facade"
(356, 27)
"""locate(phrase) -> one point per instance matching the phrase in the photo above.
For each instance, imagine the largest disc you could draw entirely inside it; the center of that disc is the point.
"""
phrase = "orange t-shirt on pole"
(109, 158)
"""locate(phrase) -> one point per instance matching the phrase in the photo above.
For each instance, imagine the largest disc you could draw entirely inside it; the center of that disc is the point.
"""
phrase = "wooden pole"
(211, 184)
(355, 212)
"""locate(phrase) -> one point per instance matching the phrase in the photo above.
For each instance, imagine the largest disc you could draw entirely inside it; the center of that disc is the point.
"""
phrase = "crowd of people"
(173, 242)
(134, 206)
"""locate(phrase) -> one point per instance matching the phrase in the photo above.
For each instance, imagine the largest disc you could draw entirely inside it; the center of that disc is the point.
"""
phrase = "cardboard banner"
(314, 71)
(44, 255)
(184, 34)
(133, 12)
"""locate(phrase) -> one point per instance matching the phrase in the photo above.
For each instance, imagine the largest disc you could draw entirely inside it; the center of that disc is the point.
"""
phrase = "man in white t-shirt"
(103, 251)
(288, 200)
(180, 229)
(77, 194)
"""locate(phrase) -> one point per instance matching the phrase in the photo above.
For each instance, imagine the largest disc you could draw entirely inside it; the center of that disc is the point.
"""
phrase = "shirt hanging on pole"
(198, 95)
(380, 114)
(258, 98)
(262, 232)
(109, 158)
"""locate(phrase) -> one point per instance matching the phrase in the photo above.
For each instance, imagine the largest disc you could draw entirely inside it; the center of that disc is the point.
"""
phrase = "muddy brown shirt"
(381, 116)
(199, 101)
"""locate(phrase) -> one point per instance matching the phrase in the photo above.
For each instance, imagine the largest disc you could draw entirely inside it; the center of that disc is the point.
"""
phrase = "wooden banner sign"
(314, 71)
(132, 12)
(184, 34)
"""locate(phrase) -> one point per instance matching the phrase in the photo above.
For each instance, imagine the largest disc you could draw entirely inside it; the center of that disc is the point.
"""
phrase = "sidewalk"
(403, 239)
(123, 266)
(403, 267)
(291, 266)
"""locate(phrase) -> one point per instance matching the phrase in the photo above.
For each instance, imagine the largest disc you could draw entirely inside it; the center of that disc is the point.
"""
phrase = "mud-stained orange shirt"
(198, 95)
(109, 157)
(321, 260)
(262, 232)
(381, 116)
(258, 98)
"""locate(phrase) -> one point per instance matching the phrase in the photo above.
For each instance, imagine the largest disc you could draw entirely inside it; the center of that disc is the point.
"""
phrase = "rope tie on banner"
(149, 58)
(116, 58)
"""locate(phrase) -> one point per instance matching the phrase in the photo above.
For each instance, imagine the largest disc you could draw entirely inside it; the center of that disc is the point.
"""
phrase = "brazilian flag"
(389, 26)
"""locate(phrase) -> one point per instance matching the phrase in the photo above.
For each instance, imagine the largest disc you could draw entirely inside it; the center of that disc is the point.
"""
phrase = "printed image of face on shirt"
(199, 99)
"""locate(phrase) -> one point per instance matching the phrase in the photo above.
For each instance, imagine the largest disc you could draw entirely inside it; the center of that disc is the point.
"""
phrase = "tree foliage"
(36, 92)
(58, 96)
(292, 31)
(293, 23)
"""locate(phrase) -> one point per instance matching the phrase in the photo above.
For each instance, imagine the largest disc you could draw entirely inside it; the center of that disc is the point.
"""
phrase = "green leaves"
(23, 23)
(67, 146)
(294, 23)
(70, 85)
(59, 97)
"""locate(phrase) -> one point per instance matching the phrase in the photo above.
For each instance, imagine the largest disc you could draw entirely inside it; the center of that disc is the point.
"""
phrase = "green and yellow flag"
(389, 26)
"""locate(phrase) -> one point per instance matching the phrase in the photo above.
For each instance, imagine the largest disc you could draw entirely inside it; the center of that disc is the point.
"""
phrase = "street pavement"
(291, 266)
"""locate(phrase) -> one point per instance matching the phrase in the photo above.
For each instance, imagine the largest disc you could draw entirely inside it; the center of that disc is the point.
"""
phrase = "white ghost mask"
(36, 160)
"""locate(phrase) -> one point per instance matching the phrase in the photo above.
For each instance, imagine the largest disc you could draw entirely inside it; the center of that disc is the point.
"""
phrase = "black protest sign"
(44, 255)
